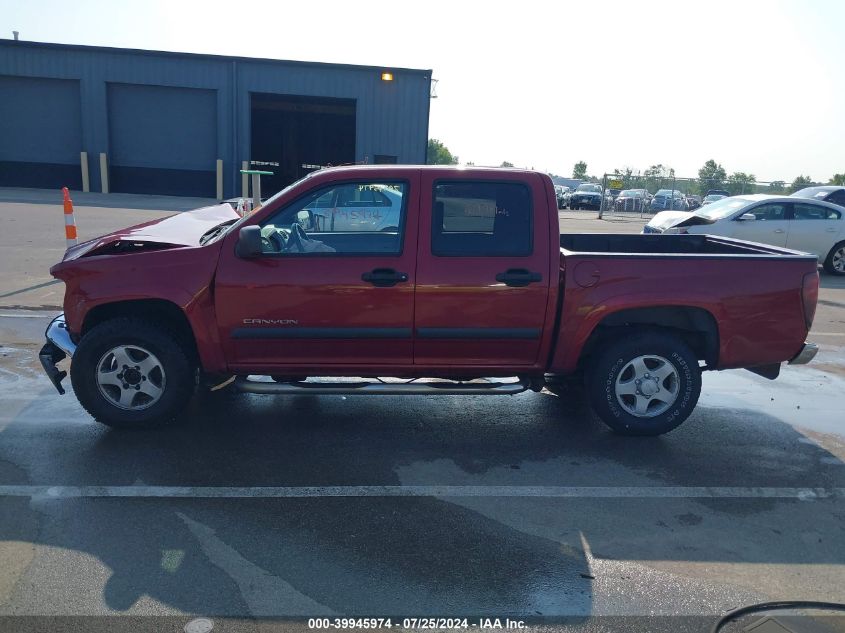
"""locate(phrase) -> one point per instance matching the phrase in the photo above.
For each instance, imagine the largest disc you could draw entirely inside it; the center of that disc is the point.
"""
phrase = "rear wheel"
(646, 384)
(130, 373)
(834, 263)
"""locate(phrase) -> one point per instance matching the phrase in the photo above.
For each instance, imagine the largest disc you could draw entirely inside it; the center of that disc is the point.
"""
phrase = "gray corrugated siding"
(392, 118)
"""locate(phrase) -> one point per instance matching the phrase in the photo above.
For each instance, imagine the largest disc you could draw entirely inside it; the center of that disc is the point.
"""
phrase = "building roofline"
(207, 56)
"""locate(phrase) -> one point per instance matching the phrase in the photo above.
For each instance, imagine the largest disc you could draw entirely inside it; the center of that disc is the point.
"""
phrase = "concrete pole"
(83, 164)
(104, 173)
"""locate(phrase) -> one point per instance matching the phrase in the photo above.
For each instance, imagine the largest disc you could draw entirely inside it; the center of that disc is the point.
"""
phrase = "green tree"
(710, 176)
(506, 164)
(579, 171)
(655, 177)
(740, 182)
(838, 179)
(439, 154)
(799, 183)
(777, 186)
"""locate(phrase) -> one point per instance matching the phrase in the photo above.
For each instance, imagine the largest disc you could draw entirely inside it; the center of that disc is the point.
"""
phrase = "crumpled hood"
(181, 229)
(668, 219)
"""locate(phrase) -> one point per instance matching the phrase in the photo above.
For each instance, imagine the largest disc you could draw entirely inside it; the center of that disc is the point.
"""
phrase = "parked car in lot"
(375, 207)
(806, 225)
(562, 194)
(718, 192)
(587, 196)
(631, 200)
(693, 202)
(712, 197)
(475, 282)
(668, 199)
(826, 193)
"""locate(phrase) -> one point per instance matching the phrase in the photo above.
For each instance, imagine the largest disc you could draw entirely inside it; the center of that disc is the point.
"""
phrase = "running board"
(381, 388)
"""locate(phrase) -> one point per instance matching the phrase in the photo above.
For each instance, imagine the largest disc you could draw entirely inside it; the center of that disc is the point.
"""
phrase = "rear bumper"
(808, 352)
(59, 346)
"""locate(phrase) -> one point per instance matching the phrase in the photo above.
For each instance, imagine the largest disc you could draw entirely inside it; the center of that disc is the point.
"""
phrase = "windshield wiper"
(211, 233)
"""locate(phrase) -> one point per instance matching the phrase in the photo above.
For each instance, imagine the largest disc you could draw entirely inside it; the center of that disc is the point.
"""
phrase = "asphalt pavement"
(260, 511)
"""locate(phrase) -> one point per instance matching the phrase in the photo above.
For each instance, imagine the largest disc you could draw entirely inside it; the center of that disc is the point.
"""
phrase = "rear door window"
(814, 212)
(481, 219)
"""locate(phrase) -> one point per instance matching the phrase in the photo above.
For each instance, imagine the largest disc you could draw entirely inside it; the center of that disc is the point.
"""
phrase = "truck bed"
(662, 245)
(753, 292)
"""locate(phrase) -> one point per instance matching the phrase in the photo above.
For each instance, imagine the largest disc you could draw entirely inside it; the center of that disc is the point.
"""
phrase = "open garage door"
(163, 140)
(40, 133)
(292, 135)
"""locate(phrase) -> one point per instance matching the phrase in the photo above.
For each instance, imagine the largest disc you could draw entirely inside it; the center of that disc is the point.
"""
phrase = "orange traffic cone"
(70, 224)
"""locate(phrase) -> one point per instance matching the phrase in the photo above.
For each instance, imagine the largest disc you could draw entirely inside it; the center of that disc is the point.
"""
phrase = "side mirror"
(747, 217)
(249, 242)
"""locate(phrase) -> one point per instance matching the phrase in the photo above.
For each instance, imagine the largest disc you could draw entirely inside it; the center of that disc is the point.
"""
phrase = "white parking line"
(280, 492)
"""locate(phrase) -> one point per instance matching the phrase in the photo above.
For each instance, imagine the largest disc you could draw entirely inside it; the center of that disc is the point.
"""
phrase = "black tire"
(175, 362)
(615, 363)
(828, 261)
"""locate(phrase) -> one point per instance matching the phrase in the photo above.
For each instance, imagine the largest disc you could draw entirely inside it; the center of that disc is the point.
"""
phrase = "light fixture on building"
(387, 76)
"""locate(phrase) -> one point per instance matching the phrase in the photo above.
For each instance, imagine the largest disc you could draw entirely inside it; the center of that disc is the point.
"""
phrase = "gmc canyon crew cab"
(469, 286)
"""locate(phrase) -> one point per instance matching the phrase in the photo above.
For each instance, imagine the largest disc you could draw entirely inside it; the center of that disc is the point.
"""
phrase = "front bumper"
(808, 352)
(59, 346)
(587, 202)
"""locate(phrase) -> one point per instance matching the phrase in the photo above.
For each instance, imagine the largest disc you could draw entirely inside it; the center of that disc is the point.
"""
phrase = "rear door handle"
(518, 277)
(384, 277)
(779, 231)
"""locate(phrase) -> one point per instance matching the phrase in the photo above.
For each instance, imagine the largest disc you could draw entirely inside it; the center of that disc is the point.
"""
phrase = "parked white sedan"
(352, 207)
(810, 226)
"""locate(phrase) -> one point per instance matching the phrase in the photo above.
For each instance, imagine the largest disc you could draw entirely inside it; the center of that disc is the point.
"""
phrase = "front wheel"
(834, 263)
(646, 384)
(131, 373)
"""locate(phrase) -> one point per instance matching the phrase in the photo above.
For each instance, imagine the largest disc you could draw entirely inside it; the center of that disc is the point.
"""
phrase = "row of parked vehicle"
(809, 220)
(591, 196)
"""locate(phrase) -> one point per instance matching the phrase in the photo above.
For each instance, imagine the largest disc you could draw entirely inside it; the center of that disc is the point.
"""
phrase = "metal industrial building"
(185, 124)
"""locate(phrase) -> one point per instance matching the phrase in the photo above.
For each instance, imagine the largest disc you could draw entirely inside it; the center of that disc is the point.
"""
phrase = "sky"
(757, 86)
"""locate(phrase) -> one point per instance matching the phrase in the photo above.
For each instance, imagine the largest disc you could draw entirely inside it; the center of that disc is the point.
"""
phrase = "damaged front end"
(59, 346)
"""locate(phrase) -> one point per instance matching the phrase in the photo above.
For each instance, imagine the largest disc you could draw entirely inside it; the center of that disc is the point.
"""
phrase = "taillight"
(809, 297)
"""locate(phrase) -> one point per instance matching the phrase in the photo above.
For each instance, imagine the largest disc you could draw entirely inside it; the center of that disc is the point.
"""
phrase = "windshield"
(722, 208)
(589, 188)
(630, 193)
(812, 192)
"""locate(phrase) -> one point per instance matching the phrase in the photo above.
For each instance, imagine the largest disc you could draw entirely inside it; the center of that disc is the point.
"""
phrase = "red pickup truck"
(439, 280)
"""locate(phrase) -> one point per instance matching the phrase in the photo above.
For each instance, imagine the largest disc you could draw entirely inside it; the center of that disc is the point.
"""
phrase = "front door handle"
(778, 230)
(384, 277)
(518, 277)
